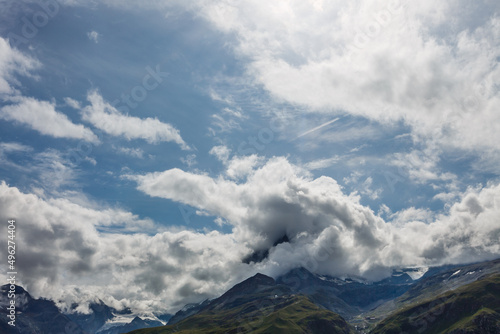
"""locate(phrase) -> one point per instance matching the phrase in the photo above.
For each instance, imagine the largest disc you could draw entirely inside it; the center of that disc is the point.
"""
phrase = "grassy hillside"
(473, 308)
(287, 314)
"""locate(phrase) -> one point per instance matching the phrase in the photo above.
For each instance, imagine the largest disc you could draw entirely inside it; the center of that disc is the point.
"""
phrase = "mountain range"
(448, 299)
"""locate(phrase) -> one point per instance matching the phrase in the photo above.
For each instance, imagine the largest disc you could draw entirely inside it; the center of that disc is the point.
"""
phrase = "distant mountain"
(136, 323)
(40, 316)
(258, 305)
(472, 308)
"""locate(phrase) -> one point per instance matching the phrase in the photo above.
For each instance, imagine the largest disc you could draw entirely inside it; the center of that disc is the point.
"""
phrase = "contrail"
(317, 128)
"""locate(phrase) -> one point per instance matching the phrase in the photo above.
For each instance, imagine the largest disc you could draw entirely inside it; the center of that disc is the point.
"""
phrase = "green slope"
(287, 314)
(473, 308)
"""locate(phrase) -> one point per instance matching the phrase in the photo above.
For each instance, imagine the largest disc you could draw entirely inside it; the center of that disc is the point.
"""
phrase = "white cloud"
(13, 62)
(189, 160)
(72, 103)
(75, 247)
(42, 116)
(322, 163)
(421, 166)
(107, 118)
(388, 62)
(326, 227)
(226, 121)
(221, 152)
(93, 36)
(240, 167)
(237, 167)
(78, 253)
(14, 147)
(133, 152)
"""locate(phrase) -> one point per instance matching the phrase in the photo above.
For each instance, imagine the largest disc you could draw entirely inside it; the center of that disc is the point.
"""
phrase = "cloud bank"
(279, 198)
(153, 268)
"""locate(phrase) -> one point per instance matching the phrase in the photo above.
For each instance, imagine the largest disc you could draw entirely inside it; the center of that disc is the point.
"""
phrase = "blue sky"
(164, 142)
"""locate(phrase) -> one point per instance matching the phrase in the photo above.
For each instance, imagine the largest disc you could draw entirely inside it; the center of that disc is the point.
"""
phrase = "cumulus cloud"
(107, 118)
(73, 246)
(237, 167)
(150, 268)
(43, 117)
(326, 227)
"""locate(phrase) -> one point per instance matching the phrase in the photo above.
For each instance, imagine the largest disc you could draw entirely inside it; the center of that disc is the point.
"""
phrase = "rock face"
(40, 316)
(346, 297)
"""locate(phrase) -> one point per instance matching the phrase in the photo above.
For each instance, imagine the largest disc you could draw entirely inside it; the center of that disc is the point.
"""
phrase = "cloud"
(42, 116)
(103, 251)
(107, 118)
(421, 166)
(221, 152)
(72, 103)
(226, 121)
(12, 62)
(189, 160)
(78, 253)
(133, 152)
(327, 228)
(322, 163)
(93, 36)
(389, 62)
(13, 147)
(237, 167)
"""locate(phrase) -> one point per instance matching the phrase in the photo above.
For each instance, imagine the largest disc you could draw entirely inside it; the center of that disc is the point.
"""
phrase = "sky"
(148, 149)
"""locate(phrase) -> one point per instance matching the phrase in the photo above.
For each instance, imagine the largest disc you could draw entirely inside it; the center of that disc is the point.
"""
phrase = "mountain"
(40, 316)
(258, 305)
(455, 299)
(136, 323)
(472, 308)
(187, 311)
(436, 281)
(92, 322)
(347, 297)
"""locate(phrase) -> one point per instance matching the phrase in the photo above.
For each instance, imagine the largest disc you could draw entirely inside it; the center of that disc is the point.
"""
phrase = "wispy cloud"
(93, 36)
(13, 62)
(322, 163)
(107, 118)
(42, 117)
(133, 152)
(316, 128)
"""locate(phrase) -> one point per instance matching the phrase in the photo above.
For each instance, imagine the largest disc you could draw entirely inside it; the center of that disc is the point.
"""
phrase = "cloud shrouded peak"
(325, 226)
